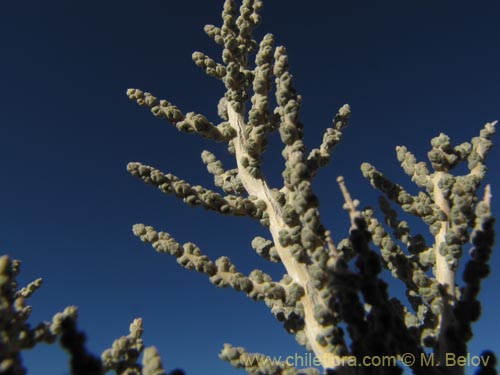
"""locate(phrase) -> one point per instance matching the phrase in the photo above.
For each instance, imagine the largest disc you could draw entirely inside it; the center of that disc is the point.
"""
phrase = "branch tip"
(487, 194)
(331, 245)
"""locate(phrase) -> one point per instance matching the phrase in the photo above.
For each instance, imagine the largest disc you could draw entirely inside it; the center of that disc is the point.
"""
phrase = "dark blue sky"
(409, 70)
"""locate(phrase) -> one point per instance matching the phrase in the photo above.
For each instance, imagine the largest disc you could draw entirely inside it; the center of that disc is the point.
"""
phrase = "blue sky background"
(409, 70)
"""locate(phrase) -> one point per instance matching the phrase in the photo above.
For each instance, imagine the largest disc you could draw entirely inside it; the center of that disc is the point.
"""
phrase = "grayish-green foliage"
(321, 290)
(17, 335)
(327, 288)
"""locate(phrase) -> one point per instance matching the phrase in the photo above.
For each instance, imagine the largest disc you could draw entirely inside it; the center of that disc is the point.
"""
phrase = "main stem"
(445, 276)
(297, 271)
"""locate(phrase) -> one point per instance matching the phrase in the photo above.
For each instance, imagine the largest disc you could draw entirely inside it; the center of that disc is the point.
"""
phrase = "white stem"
(445, 276)
(297, 271)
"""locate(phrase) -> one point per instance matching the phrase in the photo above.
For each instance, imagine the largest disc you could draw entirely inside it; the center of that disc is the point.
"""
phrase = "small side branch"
(229, 181)
(420, 205)
(197, 195)
(189, 123)
(266, 249)
(209, 65)
(418, 172)
(281, 297)
(320, 157)
(125, 351)
(468, 308)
